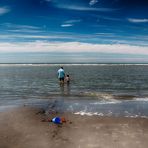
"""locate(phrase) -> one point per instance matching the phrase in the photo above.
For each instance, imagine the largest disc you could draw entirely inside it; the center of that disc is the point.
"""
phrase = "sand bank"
(23, 128)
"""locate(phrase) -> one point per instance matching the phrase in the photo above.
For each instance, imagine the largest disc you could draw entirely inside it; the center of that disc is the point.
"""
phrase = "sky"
(73, 31)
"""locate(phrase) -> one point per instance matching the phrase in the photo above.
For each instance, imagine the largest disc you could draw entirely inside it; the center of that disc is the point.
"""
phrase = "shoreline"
(23, 127)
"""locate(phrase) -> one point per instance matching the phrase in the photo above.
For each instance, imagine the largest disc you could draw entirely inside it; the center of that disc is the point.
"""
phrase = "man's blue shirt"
(61, 73)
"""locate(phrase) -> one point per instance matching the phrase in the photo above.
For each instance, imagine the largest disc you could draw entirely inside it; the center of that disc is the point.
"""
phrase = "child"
(67, 79)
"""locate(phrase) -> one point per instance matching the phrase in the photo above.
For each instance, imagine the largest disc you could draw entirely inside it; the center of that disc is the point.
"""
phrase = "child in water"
(67, 79)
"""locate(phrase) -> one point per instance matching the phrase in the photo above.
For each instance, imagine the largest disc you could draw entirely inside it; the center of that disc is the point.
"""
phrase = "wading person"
(61, 75)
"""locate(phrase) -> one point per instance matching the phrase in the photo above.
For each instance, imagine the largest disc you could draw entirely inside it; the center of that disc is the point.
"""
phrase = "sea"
(119, 90)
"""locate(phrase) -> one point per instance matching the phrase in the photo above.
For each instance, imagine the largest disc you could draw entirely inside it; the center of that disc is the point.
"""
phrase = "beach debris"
(52, 112)
(42, 111)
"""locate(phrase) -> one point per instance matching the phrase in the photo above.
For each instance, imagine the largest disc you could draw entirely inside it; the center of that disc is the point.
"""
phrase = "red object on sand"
(63, 119)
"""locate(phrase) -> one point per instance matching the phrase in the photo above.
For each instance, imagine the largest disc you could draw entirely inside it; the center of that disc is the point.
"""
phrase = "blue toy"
(56, 120)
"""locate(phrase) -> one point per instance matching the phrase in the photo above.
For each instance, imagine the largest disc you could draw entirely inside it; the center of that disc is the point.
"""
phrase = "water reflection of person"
(65, 89)
(68, 88)
(62, 88)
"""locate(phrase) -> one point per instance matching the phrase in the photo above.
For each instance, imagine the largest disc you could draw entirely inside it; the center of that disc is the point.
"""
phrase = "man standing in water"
(61, 75)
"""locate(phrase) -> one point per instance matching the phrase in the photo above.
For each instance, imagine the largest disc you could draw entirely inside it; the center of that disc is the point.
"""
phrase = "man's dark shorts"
(61, 79)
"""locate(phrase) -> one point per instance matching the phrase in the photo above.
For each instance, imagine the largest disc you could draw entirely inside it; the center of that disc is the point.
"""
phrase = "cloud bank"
(70, 47)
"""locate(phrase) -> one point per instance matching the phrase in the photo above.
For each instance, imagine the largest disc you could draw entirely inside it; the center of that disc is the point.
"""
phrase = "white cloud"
(4, 10)
(18, 26)
(72, 21)
(82, 8)
(133, 20)
(21, 28)
(66, 25)
(24, 31)
(93, 2)
(42, 46)
(24, 36)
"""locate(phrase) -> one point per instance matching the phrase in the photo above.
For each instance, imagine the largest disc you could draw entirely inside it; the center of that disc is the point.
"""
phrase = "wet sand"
(23, 128)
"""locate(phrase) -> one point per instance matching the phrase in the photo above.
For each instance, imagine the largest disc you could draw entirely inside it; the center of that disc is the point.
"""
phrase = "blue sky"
(110, 30)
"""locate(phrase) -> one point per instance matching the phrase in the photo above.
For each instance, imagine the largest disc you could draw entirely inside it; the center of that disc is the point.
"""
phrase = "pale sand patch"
(23, 128)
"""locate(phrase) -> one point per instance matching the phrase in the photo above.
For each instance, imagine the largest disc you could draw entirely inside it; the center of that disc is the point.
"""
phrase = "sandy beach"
(23, 128)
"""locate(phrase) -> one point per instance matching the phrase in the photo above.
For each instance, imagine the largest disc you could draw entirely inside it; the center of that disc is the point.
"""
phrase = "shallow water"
(103, 89)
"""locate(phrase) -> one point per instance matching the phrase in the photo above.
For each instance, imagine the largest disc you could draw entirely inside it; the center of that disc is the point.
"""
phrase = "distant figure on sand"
(67, 79)
(61, 75)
